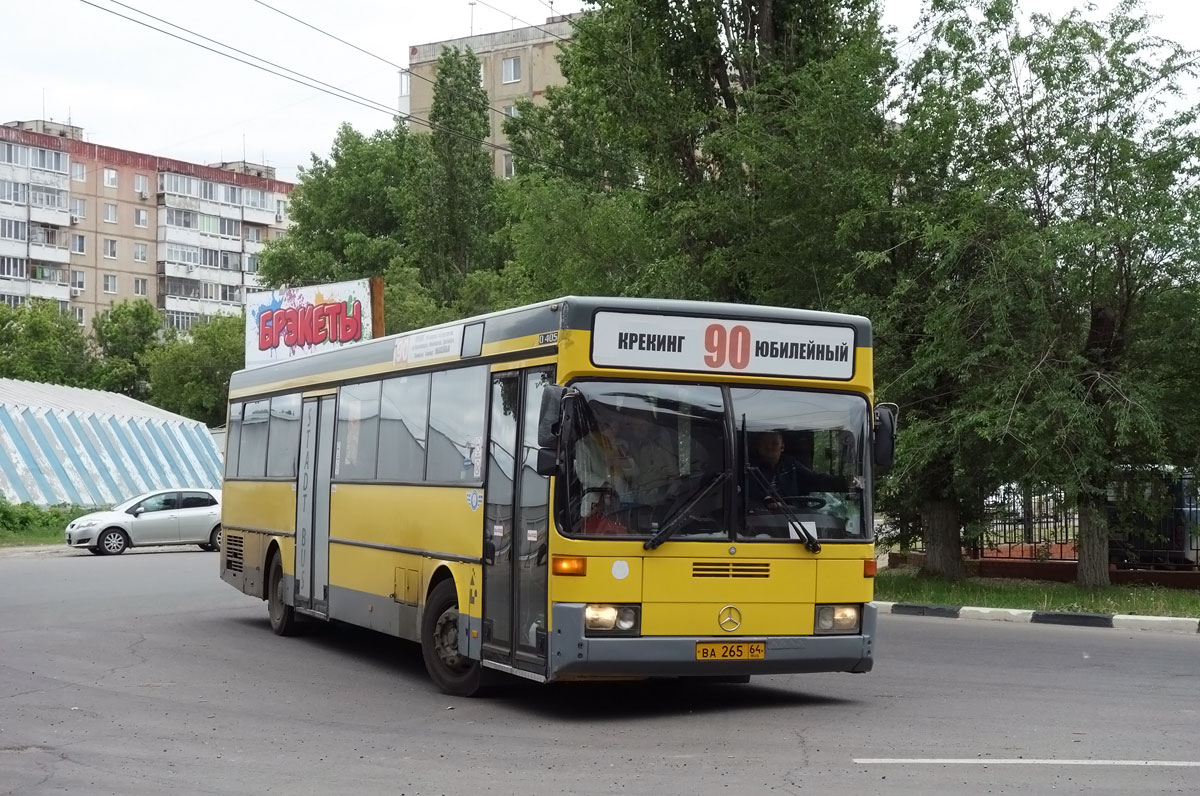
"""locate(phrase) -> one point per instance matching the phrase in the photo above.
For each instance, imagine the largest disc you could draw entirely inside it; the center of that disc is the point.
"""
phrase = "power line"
(315, 84)
(474, 100)
(300, 78)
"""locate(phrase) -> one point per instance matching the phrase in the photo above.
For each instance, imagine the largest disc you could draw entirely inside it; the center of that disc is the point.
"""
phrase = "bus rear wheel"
(450, 670)
(283, 616)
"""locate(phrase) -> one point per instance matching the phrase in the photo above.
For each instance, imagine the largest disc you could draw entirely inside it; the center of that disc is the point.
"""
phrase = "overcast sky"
(134, 88)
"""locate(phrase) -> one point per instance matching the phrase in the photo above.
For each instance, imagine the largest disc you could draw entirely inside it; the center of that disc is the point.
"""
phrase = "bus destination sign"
(718, 345)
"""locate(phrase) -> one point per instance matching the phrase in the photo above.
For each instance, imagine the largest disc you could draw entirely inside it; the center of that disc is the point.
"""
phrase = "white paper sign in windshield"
(719, 345)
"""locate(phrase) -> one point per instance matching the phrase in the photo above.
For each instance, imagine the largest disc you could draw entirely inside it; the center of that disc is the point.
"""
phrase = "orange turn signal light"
(570, 565)
(870, 567)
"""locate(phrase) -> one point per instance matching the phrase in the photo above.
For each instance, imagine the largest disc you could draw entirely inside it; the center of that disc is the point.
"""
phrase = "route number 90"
(727, 345)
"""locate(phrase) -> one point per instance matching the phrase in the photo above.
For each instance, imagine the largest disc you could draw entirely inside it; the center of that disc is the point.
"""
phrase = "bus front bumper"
(574, 655)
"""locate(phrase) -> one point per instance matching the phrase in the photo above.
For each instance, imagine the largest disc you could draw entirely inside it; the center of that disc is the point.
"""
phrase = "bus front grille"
(233, 551)
(731, 569)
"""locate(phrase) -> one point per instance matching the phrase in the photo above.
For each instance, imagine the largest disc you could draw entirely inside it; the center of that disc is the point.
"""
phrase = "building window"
(110, 282)
(14, 153)
(208, 190)
(251, 263)
(512, 69)
(230, 228)
(187, 255)
(79, 208)
(78, 245)
(14, 192)
(12, 301)
(207, 224)
(141, 217)
(46, 273)
(110, 178)
(78, 312)
(140, 251)
(110, 249)
(139, 286)
(511, 110)
(255, 198)
(507, 164)
(141, 185)
(231, 294)
(14, 230)
(253, 234)
(41, 196)
(177, 183)
(181, 218)
(48, 160)
(78, 172)
(12, 267)
(233, 195)
(110, 213)
(180, 321)
(231, 261)
(78, 280)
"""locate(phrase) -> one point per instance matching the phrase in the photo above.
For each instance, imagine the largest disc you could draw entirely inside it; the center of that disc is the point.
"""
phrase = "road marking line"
(1018, 761)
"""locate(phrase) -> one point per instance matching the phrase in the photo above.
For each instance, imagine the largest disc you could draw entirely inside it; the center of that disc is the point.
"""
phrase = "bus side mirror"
(547, 461)
(550, 417)
(885, 435)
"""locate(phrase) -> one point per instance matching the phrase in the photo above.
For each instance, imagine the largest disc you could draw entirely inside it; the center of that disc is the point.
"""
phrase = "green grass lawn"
(904, 585)
(23, 524)
(27, 539)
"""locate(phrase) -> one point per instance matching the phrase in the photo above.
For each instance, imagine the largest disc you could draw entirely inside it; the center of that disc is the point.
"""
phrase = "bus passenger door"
(516, 525)
(312, 505)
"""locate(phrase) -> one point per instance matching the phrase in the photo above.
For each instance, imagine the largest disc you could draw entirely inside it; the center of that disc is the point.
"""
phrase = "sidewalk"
(1170, 624)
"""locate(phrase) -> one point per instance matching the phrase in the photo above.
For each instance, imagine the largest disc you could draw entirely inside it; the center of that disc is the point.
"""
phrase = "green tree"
(190, 376)
(39, 343)
(347, 212)
(753, 131)
(1047, 239)
(124, 338)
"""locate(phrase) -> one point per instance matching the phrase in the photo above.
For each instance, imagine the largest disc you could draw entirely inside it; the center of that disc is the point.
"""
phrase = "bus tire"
(282, 615)
(450, 670)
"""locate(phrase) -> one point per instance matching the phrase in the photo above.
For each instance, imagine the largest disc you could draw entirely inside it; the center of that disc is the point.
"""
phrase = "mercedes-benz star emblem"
(730, 618)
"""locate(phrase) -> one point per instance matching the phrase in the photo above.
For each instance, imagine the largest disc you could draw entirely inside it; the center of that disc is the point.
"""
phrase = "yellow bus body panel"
(259, 506)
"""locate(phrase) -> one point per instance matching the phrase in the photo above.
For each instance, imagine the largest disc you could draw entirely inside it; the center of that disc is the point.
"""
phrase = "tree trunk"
(942, 533)
(1091, 546)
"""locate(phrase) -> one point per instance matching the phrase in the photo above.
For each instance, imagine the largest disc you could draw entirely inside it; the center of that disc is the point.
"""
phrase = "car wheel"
(112, 542)
(214, 541)
(283, 616)
(450, 670)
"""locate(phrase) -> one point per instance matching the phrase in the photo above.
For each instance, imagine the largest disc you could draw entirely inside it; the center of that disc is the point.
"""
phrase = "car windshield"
(802, 463)
(639, 453)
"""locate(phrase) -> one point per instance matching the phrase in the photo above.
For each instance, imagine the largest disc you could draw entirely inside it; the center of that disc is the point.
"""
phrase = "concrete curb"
(1162, 624)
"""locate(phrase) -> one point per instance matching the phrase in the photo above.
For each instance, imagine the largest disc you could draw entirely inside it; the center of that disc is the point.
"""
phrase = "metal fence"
(1042, 524)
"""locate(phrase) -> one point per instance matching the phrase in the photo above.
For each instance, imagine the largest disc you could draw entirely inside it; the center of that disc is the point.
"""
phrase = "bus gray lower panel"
(374, 612)
(572, 654)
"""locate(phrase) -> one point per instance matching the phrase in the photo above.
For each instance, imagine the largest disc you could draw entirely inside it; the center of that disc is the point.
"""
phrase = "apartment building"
(518, 63)
(89, 225)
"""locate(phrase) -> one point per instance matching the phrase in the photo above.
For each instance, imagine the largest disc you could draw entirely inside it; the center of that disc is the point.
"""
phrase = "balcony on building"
(49, 244)
(48, 281)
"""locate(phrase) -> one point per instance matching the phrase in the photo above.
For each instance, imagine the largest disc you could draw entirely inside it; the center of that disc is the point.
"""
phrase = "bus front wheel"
(450, 670)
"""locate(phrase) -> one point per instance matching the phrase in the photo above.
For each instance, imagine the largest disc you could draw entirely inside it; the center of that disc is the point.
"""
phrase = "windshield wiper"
(810, 541)
(676, 519)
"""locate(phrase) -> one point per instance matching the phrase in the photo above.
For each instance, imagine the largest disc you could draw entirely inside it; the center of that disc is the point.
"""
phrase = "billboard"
(297, 321)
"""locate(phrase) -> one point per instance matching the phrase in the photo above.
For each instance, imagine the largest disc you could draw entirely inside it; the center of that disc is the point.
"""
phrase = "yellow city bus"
(585, 488)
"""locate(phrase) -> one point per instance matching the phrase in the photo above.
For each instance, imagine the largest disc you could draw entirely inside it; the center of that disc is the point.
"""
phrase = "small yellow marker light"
(570, 565)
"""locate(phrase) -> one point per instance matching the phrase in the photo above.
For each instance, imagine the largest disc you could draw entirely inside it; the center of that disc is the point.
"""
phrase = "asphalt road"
(145, 674)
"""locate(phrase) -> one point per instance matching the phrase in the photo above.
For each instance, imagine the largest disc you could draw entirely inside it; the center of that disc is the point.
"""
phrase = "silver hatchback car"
(161, 517)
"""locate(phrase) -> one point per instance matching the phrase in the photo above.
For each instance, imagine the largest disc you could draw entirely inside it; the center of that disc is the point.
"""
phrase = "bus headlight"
(622, 620)
(835, 619)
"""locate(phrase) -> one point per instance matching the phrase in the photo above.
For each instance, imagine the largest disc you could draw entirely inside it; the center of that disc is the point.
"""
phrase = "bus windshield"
(647, 455)
(803, 458)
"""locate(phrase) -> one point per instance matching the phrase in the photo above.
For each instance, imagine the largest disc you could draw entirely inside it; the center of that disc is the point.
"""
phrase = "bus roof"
(567, 312)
